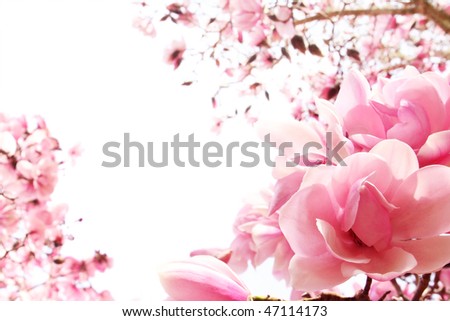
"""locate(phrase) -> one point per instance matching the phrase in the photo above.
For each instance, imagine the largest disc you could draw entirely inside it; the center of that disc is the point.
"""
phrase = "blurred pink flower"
(202, 278)
(173, 55)
(259, 237)
(380, 215)
(145, 25)
(413, 107)
(245, 14)
(284, 24)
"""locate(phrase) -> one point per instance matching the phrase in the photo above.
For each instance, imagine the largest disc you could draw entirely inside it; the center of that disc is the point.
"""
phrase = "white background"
(84, 68)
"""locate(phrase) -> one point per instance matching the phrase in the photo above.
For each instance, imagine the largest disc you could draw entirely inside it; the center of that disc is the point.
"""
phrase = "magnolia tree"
(307, 46)
(366, 79)
(33, 230)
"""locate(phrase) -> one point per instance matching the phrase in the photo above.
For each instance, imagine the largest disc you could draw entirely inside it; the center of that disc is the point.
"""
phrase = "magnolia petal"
(423, 202)
(399, 155)
(340, 245)
(384, 265)
(298, 220)
(436, 149)
(316, 272)
(431, 253)
(202, 278)
(354, 91)
(284, 189)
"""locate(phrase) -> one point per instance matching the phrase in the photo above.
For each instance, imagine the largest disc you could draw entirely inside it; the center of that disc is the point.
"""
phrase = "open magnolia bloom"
(411, 107)
(202, 278)
(380, 215)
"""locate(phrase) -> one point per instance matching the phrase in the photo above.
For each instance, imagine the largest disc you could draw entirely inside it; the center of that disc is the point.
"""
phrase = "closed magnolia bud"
(202, 278)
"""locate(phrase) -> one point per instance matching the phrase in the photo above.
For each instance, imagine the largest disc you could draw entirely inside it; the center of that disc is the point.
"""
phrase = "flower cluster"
(383, 212)
(32, 227)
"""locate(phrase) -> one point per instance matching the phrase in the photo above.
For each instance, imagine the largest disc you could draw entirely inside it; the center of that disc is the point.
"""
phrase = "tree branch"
(411, 9)
(423, 284)
(440, 17)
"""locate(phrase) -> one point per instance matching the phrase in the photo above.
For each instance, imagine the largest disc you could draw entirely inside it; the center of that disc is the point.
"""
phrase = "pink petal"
(400, 157)
(440, 84)
(327, 113)
(419, 92)
(431, 253)
(26, 169)
(384, 265)
(284, 189)
(360, 165)
(354, 92)
(298, 220)
(365, 141)
(413, 127)
(202, 278)
(391, 86)
(341, 245)
(423, 203)
(287, 130)
(7, 143)
(372, 224)
(316, 272)
(436, 149)
(222, 254)
(363, 119)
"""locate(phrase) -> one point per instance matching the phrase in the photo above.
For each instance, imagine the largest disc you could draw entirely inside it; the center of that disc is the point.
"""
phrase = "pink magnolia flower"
(380, 215)
(413, 107)
(245, 14)
(202, 278)
(258, 237)
(145, 25)
(173, 55)
(284, 24)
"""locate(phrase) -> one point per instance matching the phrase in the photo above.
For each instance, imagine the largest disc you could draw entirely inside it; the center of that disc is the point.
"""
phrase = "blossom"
(246, 14)
(258, 237)
(32, 232)
(145, 25)
(202, 278)
(284, 23)
(380, 215)
(413, 107)
(173, 55)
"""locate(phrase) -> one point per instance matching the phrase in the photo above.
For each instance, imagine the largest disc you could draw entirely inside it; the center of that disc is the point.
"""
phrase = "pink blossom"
(202, 278)
(380, 215)
(259, 237)
(413, 107)
(284, 23)
(145, 25)
(173, 55)
(245, 14)
(31, 232)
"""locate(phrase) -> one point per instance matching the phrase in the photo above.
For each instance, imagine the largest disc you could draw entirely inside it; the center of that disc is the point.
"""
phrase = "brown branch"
(411, 9)
(264, 298)
(440, 17)
(423, 285)
(398, 289)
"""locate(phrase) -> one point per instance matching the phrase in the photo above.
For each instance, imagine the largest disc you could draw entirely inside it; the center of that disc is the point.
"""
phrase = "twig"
(411, 9)
(423, 7)
(423, 284)
(398, 289)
